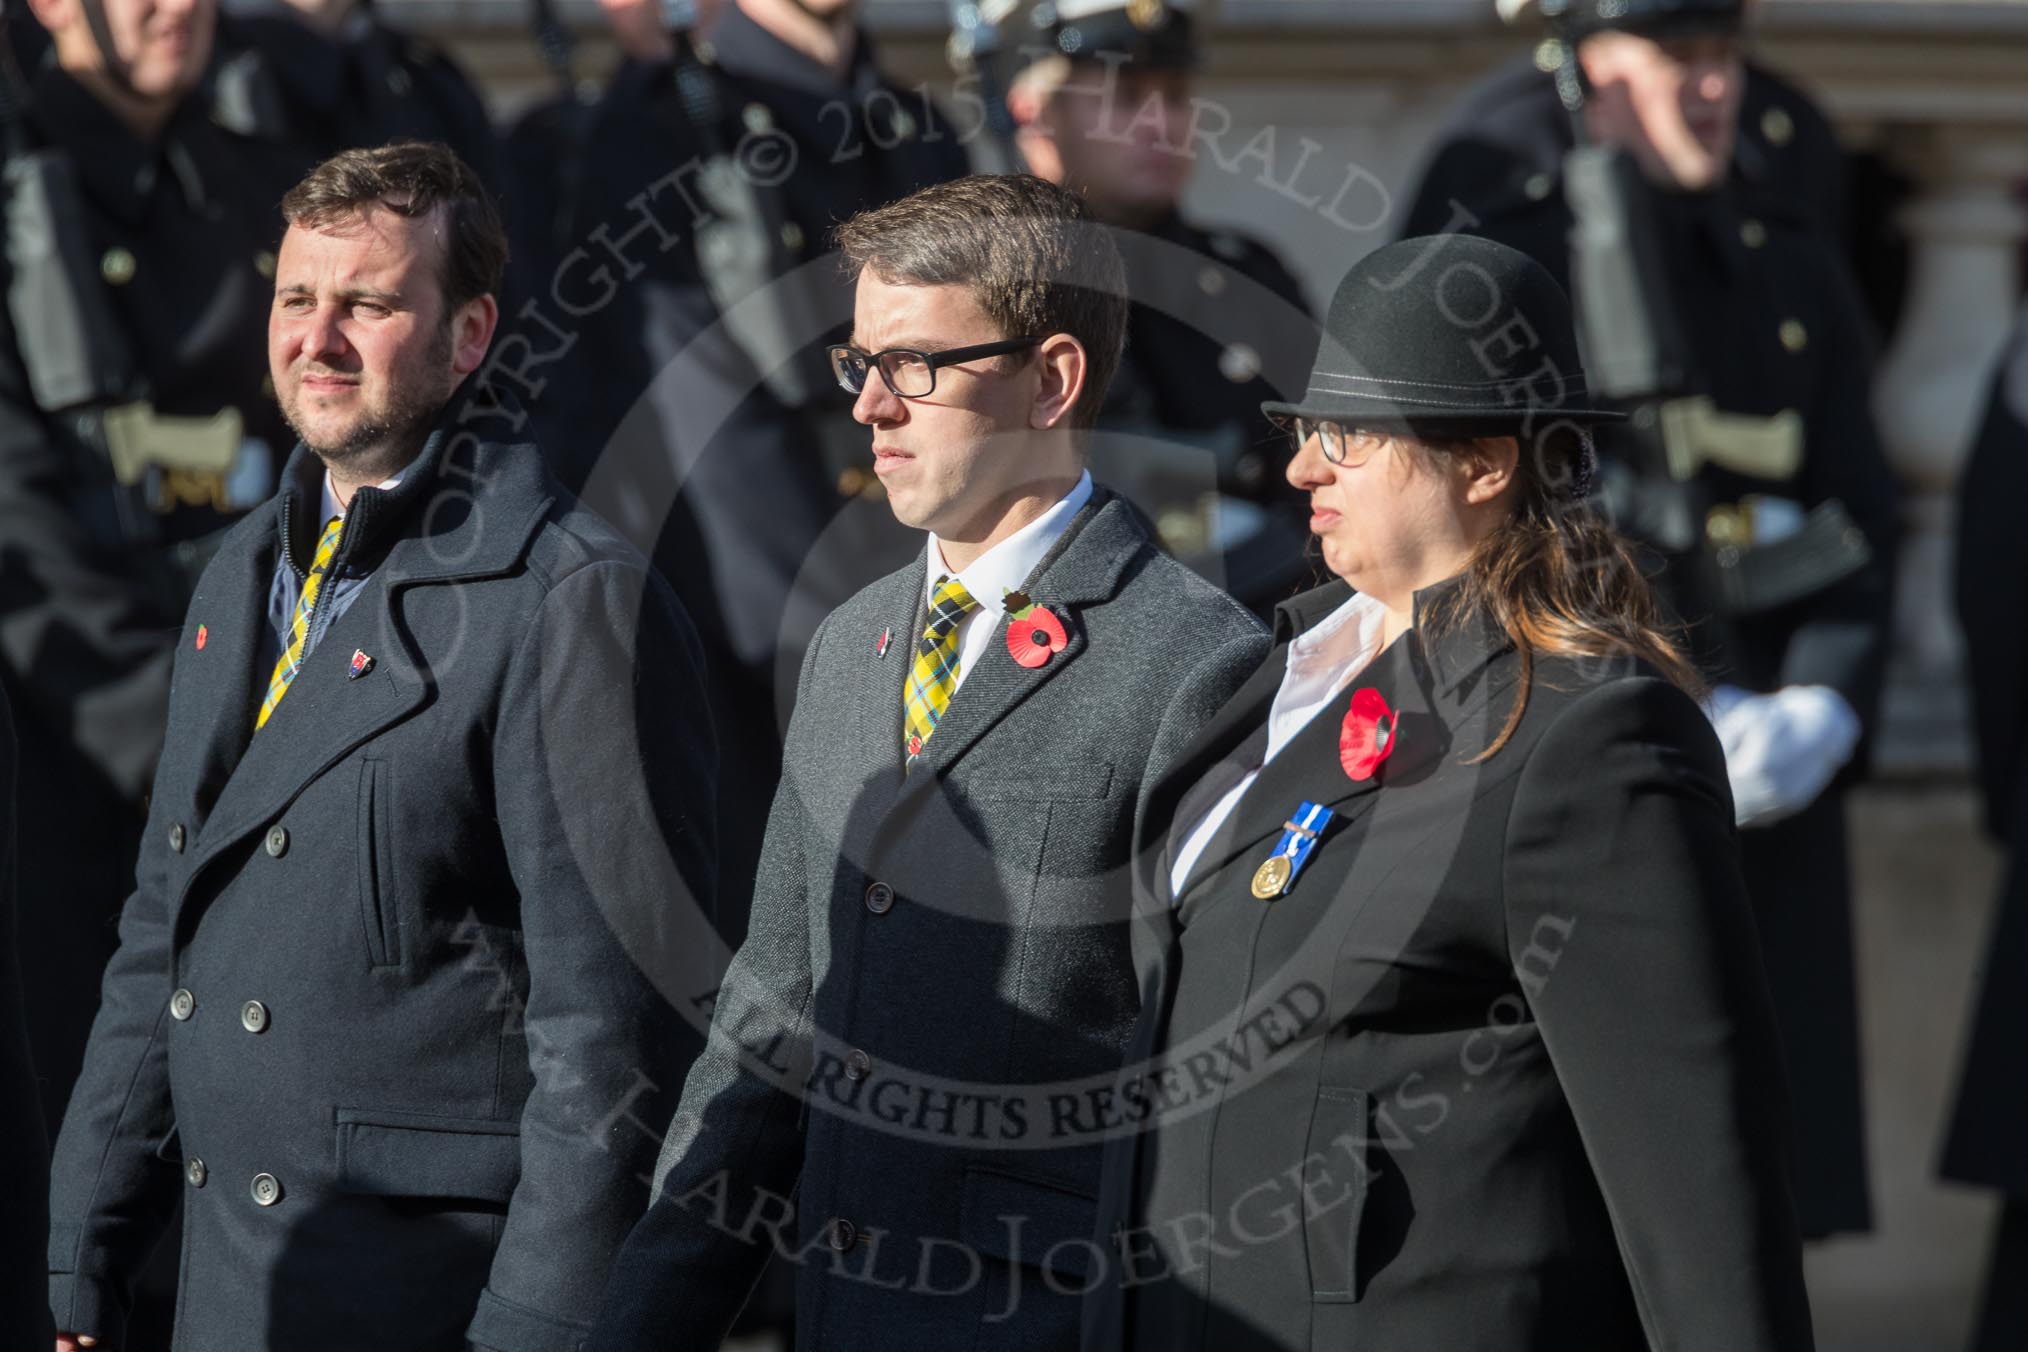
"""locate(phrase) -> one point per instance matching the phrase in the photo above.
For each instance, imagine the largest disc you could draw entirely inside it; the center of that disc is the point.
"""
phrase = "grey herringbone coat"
(936, 974)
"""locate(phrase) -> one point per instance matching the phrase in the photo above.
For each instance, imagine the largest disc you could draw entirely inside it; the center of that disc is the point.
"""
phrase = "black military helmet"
(1148, 33)
(1448, 336)
(1650, 18)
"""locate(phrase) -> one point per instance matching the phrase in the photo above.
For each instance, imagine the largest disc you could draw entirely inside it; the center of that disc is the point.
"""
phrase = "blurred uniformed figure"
(1986, 1129)
(698, 408)
(328, 75)
(1717, 312)
(721, 157)
(1219, 324)
(134, 427)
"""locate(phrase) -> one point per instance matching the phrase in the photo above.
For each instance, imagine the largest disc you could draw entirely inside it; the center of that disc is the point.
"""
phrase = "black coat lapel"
(1308, 768)
(324, 715)
(226, 676)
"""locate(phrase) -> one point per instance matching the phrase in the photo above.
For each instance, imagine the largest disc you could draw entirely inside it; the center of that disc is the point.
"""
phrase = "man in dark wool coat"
(936, 976)
(434, 799)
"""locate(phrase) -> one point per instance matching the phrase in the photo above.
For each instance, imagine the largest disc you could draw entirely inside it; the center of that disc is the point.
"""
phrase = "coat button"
(193, 1169)
(1752, 233)
(118, 266)
(1794, 336)
(1778, 126)
(880, 898)
(266, 1189)
(253, 1016)
(182, 1005)
(176, 837)
(278, 841)
(840, 1235)
(858, 1065)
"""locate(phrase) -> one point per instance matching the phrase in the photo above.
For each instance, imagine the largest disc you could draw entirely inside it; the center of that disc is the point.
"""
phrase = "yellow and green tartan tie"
(935, 671)
(291, 659)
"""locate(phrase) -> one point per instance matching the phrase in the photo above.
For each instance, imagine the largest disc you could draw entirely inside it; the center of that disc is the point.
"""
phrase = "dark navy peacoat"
(398, 975)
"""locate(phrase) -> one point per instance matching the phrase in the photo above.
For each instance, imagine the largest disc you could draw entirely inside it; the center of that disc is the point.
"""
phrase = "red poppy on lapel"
(1034, 635)
(203, 633)
(1367, 737)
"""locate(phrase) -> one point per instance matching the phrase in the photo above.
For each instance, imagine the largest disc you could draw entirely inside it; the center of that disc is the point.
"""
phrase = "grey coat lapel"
(1084, 567)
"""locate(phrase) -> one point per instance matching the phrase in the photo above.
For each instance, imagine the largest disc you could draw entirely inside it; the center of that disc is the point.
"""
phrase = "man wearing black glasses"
(909, 1068)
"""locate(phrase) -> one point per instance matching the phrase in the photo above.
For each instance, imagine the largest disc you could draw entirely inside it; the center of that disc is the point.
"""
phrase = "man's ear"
(1064, 368)
(1489, 467)
(472, 333)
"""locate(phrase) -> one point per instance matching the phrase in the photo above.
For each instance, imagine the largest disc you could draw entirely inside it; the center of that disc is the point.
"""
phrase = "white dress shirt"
(999, 570)
(331, 504)
(1323, 660)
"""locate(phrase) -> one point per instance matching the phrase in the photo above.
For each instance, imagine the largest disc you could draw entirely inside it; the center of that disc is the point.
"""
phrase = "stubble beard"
(380, 441)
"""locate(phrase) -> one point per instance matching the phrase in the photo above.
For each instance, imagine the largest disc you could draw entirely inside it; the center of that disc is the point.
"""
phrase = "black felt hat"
(1448, 336)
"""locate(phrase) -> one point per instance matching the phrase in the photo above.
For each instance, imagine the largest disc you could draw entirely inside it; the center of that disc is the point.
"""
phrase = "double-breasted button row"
(880, 898)
(253, 1016)
(265, 1189)
(278, 841)
(176, 837)
(182, 1005)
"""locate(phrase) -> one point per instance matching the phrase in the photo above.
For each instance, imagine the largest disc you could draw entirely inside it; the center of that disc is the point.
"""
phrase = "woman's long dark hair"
(1558, 578)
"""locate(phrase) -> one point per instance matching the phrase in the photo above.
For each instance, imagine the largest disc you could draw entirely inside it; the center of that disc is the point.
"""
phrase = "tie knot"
(949, 604)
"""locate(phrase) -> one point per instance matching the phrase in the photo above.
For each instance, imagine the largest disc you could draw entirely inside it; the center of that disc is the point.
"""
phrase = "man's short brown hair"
(413, 179)
(1029, 251)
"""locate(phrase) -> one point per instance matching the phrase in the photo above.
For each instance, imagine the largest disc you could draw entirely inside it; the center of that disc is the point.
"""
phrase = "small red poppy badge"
(203, 636)
(1367, 736)
(1034, 634)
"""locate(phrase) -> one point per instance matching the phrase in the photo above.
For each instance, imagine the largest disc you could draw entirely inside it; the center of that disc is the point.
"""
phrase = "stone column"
(1965, 229)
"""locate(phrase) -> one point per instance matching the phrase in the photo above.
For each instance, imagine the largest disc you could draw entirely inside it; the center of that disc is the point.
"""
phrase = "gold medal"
(1271, 877)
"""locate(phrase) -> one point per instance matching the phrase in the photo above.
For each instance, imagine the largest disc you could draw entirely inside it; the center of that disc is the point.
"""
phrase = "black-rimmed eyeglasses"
(909, 372)
(1341, 445)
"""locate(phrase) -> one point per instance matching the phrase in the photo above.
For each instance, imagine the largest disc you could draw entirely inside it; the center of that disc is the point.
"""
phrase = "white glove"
(1781, 749)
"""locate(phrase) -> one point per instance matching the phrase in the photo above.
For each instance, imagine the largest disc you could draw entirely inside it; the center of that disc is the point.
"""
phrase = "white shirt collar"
(331, 507)
(1349, 634)
(1005, 566)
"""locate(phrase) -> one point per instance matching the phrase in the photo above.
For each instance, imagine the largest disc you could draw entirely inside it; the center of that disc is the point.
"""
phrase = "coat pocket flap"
(394, 1154)
(1024, 1218)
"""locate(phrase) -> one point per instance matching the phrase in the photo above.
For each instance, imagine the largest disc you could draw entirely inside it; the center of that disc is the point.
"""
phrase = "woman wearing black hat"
(1454, 1032)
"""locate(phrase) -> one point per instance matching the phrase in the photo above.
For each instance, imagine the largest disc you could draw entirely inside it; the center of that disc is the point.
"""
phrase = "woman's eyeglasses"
(1341, 445)
(908, 372)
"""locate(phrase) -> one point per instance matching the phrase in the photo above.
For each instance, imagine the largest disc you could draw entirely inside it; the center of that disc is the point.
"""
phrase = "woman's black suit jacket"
(1497, 1072)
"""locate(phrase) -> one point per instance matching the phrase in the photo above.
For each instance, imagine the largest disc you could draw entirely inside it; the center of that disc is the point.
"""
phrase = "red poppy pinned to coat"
(203, 633)
(1367, 737)
(1034, 634)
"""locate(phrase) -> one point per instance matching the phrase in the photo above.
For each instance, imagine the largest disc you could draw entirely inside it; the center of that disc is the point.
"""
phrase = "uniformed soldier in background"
(134, 427)
(1982, 1145)
(1718, 313)
(745, 138)
(1219, 324)
(327, 75)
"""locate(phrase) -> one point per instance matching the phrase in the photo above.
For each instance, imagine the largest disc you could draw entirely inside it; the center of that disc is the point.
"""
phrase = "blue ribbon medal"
(1299, 836)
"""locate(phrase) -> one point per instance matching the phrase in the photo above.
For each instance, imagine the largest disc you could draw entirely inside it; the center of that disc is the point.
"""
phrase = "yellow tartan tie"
(934, 673)
(291, 659)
